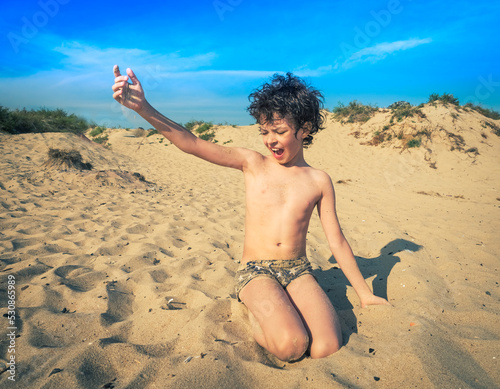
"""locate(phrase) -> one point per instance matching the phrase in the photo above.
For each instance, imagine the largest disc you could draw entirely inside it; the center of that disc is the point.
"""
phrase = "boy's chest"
(296, 191)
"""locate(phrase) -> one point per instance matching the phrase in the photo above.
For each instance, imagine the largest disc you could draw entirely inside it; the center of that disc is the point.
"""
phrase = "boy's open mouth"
(277, 152)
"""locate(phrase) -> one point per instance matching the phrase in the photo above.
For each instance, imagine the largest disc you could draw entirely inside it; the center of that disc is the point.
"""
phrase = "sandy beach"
(125, 280)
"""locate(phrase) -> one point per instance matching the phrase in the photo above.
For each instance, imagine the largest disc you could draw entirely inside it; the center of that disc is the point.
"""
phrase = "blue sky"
(201, 59)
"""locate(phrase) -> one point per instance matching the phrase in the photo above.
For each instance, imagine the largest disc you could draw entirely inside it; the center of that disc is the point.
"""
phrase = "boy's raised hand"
(129, 95)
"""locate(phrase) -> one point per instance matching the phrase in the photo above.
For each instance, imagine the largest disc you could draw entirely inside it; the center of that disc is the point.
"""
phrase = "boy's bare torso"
(279, 204)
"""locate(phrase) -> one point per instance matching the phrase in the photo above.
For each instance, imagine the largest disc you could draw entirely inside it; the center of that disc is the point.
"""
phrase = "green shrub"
(405, 111)
(42, 120)
(433, 97)
(445, 98)
(101, 139)
(227, 124)
(209, 136)
(97, 131)
(494, 127)
(193, 123)
(489, 113)
(354, 112)
(204, 128)
(4, 118)
(414, 142)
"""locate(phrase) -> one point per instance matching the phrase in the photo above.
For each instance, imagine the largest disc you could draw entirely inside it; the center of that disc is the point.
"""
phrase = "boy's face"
(279, 137)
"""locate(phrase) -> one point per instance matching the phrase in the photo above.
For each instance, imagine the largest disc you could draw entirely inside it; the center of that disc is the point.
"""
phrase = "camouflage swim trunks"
(284, 271)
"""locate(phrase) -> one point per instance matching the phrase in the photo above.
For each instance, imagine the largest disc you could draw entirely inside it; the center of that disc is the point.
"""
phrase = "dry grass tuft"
(66, 159)
(139, 132)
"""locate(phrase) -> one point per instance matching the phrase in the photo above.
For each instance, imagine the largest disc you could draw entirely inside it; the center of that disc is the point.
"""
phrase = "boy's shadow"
(334, 282)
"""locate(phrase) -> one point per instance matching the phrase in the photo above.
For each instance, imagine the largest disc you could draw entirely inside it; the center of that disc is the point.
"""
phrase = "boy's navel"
(278, 244)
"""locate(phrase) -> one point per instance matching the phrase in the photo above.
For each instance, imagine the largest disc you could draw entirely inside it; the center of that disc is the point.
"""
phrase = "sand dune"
(127, 283)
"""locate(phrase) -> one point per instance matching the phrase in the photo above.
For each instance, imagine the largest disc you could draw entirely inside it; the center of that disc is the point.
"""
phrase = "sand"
(126, 283)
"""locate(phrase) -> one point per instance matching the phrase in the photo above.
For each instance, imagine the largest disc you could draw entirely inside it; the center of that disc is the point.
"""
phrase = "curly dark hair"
(289, 96)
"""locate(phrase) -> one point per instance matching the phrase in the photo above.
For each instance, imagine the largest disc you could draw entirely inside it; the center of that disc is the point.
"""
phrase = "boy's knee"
(291, 346)
(324, 348)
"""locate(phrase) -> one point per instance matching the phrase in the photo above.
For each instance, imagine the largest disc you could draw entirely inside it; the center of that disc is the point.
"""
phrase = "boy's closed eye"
(262, 132)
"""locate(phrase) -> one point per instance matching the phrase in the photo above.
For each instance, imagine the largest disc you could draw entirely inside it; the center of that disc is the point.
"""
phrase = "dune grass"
(22, 121)
(445, 98)
(354, 112)
(404, 111)
(97, 131)
(494, 127)
(489, 113)
(192, 124)
(66, 159)
(203, 129)
(152, 131)
(414, 142)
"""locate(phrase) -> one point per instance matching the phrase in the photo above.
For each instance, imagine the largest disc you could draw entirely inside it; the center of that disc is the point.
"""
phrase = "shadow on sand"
(334, 282)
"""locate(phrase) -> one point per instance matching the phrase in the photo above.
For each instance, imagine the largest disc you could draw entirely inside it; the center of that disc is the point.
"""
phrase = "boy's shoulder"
(321, 177)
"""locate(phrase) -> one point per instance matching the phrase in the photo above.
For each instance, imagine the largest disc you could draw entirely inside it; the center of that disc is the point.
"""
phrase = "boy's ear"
(306, 129)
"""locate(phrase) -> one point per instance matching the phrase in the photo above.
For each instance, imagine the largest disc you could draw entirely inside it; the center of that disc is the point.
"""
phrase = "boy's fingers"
(121, 79)
(117, 94)
(116, 70)
(132, 76)
(118, 85)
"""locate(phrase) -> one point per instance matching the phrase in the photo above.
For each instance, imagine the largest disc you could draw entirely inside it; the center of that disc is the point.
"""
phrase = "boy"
(289, 312)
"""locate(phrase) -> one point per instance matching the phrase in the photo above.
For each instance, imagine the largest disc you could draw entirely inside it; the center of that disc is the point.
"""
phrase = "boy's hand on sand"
(373, 300)
(129, 95)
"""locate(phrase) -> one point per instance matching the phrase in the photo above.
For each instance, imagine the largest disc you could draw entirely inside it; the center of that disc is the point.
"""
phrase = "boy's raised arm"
(340, 247)
(131, 95)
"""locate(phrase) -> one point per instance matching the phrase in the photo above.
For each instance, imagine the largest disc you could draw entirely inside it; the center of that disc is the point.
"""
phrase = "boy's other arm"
(340, 247)
(132, 97)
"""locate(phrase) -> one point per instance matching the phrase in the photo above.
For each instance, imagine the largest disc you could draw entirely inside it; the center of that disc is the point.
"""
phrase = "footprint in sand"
(159, 276)
(96, 370)
(26, 274)
(120, 302)
(79, 278)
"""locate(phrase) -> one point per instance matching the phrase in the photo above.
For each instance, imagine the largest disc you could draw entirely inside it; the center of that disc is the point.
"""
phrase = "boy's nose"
(271, 139)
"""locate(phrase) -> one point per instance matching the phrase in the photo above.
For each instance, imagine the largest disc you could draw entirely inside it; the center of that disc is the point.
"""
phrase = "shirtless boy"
(289, 312)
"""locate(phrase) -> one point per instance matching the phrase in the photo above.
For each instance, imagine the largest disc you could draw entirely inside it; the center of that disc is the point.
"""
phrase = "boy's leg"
(318, 314)
(275, 322)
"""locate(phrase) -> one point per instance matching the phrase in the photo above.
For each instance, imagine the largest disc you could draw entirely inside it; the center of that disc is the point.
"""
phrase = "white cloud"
(380, 51)
(83, 84)
(85, 61)
(318, 72)
(80, 55)
(219, 73)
